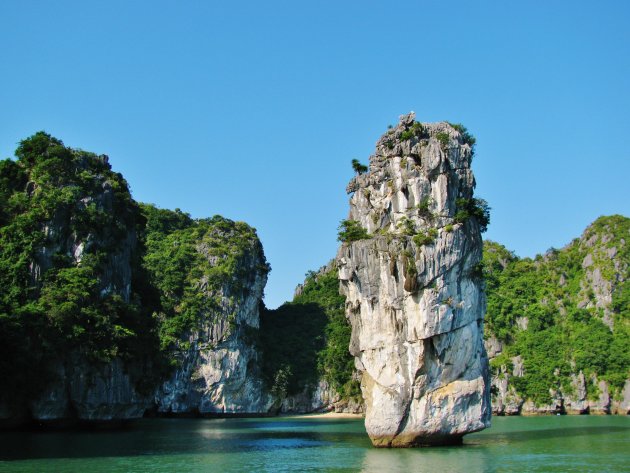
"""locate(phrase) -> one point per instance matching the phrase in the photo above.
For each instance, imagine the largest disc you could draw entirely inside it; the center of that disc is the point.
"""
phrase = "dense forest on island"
(93, 281)
(560, 322)
(90, 276)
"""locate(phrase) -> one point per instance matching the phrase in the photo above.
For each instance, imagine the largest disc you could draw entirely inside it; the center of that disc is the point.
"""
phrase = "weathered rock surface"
(81, 388)
(588, 277)
(89, 392)
(218, 371)
(108, 310)
(412, 295)
(323, 399)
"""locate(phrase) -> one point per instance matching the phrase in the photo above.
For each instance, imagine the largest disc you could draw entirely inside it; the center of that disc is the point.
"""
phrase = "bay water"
(294, 444)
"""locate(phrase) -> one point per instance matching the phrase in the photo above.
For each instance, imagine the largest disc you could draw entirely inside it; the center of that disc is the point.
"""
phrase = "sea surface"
(294, 444)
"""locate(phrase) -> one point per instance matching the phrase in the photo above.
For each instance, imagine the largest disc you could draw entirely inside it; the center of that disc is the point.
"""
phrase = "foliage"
(189, 262)
(443, 138)
(424, 208)
(473, 208)
(290, 366)
(427, 238)
(416, 130)
(65, 219)
(315, 337)
(351, 230)
(358, 167)
(407, 226)
(406, 135)
(467, 138)
(562, 335)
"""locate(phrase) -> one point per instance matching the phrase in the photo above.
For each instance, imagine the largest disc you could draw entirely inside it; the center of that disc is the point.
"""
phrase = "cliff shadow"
(291, 337)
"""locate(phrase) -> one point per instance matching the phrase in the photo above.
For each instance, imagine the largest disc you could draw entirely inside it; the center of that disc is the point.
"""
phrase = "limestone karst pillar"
(413, 291)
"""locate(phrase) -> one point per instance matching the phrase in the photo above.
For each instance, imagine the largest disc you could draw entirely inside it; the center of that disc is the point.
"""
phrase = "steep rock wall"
(412, 295)
(557, 325)
(70, 308)
(103, 293)
(217, 368)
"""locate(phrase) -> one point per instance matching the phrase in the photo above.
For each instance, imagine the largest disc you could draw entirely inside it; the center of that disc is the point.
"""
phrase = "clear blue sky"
(254, 109)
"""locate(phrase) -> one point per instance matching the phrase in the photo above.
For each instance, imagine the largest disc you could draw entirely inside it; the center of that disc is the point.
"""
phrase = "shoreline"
(326, 415)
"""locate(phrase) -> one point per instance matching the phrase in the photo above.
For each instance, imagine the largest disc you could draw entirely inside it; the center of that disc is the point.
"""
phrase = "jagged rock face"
(323, 399)
(218, 372)
(412, 295)
(82, 390)
(588, 277)
(90, 393)
(71, 304)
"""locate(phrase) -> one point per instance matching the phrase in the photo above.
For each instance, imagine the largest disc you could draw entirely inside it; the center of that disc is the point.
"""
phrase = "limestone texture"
(218, 366)
(587, 277)
(83, 389)
(413, 295)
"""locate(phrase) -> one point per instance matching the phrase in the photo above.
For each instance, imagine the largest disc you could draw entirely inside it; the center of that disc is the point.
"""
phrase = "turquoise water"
(291, 444)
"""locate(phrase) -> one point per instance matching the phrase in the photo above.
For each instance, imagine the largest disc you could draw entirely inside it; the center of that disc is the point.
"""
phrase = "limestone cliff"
(557, 326)
(74, 338)
(409, 271)
(110, 307)
(217, 364)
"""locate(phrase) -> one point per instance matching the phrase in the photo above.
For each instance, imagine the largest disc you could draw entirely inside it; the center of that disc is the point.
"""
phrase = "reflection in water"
(429, 460)
(286, 444)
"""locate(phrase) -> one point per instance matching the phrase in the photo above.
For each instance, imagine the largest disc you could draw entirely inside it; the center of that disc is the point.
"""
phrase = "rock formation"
(68, 253)
(112, 307)
(557, 325)
(409, 271)
(218, 370)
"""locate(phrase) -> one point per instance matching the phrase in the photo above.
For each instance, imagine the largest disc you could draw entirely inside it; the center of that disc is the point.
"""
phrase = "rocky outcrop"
(413, 295)
(80, 251)
(90, 393)
(83, 390)
(105, 294)
(577, 295)
(323, 399)
(574, 400)
(218, 365)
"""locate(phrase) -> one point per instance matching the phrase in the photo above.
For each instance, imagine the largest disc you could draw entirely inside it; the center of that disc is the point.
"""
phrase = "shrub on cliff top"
(416, 130)
(467, 138)
(443, 138)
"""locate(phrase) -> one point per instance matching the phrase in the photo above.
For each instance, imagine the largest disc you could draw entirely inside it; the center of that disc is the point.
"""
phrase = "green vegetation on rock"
(315, 338)
(548, 310)
(358, 167)
(351, 230)
(443, 138)
(415, 130)
(87, 273)
(68, 230)
(467, 138)
(189, 263)
(473, 208)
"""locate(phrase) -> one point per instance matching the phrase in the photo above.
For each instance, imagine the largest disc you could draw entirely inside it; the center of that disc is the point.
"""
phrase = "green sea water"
(293, 444)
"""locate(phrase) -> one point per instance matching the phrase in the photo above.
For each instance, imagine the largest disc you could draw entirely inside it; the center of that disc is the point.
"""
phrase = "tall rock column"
(409, 268)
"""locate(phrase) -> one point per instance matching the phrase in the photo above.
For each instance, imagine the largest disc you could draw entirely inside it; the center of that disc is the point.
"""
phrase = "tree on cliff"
(67, 236)
(358, 167)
